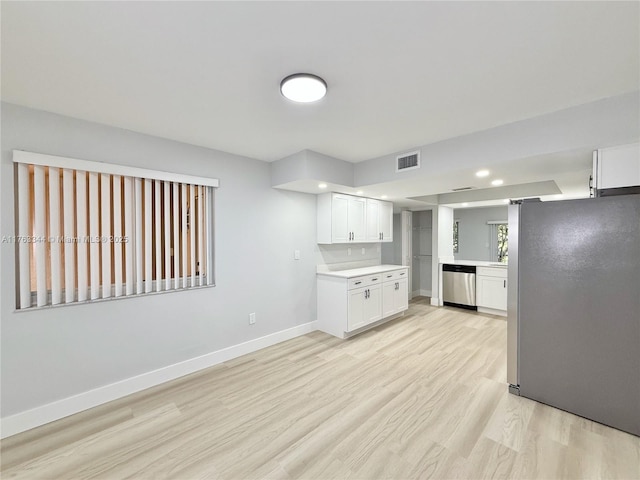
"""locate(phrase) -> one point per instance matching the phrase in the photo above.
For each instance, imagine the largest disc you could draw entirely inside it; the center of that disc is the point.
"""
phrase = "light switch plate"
(296, 254)
(363, 250)
(348, 250)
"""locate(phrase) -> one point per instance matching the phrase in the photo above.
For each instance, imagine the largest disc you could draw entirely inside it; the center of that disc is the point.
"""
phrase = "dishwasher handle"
(448, 267)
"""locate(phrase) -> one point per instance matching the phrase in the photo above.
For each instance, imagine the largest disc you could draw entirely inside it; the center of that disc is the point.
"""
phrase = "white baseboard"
(435, 301)
(421, 293)
(492, 311)
(35, 417)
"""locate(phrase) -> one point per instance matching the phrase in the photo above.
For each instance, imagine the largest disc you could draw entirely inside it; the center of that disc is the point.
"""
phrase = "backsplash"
(337, 257)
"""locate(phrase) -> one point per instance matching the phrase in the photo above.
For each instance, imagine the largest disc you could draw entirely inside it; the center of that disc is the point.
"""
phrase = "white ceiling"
(400, 74)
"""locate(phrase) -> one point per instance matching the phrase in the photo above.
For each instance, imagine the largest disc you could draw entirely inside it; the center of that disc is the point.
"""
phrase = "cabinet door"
(339, 218)
(356, 213)
(618, 167)
(401, 298)
(389, 301)
(356, 318)
(373, 304)
(373, 220)
(491, 292)
(386, 221)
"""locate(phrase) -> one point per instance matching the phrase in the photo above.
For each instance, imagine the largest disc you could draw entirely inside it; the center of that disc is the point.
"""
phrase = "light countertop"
(476, 263)
(357, 272)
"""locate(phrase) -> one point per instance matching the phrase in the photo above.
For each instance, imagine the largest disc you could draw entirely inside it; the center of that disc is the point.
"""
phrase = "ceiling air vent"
(408, 161)
(461, 189)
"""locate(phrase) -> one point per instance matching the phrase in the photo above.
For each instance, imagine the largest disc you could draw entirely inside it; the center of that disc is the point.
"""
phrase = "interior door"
(407, 234)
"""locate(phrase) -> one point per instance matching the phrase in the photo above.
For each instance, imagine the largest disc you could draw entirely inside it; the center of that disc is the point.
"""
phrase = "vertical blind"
(90, 230)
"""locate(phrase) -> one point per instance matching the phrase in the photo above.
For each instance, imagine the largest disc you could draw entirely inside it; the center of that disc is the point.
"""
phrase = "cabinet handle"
(389, 276)
(505, 284)
(358, 283)
(374, 279)
(402, 273)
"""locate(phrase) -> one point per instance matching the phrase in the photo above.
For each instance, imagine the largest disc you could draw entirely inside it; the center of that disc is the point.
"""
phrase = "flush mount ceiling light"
(497, 182)
(303, 87)
(482, 173)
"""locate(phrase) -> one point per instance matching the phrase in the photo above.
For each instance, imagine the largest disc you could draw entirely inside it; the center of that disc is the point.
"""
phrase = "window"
(499, 241)
(456, 226)
(503, 243)
(90, 230)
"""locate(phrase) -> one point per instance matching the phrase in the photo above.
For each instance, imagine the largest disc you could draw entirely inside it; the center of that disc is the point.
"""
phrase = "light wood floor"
(423, 396)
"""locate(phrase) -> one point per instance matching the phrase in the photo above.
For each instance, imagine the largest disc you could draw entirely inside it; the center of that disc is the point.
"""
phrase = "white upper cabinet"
(347, 219)
(616, 167)
(379, 221)
(356, 217)
(386, 221)
(373, 220)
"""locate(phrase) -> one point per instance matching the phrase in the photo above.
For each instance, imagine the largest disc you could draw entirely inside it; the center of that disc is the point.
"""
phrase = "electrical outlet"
(349, 251)
(252, 319)
(363, 250)
(296, 254)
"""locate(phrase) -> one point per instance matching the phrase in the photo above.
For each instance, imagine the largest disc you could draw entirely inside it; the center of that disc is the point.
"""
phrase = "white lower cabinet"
(491, 289)
(347, 304)
(395, 297)
(365, 306)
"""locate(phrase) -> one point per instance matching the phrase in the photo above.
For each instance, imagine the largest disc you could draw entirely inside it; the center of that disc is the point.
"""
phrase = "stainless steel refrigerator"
(574, 306)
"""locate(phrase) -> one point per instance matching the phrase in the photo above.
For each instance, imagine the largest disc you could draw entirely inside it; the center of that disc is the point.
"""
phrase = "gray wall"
(53, 353)
(310, 165)
(422, 247)
(608, 122)
(392, 251)
(474, 232)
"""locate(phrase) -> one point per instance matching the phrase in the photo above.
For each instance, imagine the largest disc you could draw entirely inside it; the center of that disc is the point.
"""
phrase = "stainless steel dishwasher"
(459, 286)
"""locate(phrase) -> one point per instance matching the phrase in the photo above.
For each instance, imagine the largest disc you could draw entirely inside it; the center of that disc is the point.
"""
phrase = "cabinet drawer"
(394, 275)
(365, 281)
(492, 272)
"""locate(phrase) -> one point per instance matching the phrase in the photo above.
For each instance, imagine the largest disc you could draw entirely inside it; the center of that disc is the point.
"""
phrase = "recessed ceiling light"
(482, 173)
(383, 196)
(359, 192)
(322, 185)
(497, 182)
(303, 87)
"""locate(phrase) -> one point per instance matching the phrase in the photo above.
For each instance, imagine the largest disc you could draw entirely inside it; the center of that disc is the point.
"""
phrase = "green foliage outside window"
(503, 243)
(455, 236)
